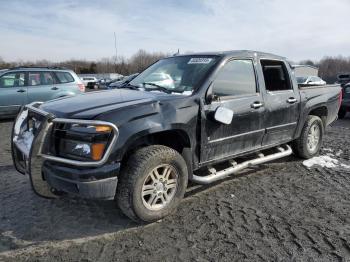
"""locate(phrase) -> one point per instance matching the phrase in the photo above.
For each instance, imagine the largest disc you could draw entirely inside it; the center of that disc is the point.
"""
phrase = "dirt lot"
(280, 211)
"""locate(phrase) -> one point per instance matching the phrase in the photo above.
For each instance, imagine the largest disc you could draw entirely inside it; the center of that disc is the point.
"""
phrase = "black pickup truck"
(198, 117)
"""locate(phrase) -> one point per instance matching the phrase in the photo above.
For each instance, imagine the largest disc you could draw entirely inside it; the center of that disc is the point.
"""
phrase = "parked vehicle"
(142, 143)
(23, 85)
(122, 82)
(343, 79)
(89, 81)
(310, 80)
(103, 83)
(345, 105)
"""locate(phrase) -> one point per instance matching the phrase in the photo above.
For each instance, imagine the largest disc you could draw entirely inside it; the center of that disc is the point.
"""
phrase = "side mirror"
(223, 115)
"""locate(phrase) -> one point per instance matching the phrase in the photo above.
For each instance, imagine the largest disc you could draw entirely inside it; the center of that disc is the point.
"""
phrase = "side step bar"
(215, 176)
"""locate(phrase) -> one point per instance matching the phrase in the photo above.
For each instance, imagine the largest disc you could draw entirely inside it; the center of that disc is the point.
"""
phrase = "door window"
(276, 75)
(12, 80)
(34, 79)
(236, 78)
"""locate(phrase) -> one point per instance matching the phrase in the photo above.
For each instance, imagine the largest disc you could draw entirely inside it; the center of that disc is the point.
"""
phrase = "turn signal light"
(103, 129)
(97, 151)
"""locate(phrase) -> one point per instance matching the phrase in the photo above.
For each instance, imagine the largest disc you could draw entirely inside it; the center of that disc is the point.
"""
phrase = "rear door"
(13, 93)
(41, 86)
(235, 87)
(282, 101)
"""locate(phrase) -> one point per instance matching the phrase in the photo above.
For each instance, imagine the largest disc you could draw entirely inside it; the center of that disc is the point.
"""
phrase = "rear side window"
(276, 75)
(236, 78)
(64, 77)
(47, 78)
(34, 79)
(40, 78)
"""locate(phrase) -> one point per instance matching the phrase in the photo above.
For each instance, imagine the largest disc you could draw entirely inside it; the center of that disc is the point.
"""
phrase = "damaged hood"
(89, 105)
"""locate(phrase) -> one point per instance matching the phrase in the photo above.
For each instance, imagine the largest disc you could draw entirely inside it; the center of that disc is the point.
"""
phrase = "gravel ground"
(280, 211)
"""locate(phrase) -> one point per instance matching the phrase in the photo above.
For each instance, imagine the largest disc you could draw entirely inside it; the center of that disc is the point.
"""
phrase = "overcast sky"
(64, 29)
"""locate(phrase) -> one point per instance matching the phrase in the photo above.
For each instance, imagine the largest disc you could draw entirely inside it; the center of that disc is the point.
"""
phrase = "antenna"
(116, 50)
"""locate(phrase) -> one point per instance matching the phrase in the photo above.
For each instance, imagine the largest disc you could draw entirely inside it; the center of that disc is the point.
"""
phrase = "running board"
(215, 176)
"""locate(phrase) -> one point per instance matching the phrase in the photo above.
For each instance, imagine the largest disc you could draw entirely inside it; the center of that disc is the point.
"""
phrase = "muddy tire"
(310, 140)
(341, 113)
(152, 183)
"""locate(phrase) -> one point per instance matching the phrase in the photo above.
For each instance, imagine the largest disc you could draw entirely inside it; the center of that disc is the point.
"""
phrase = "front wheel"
(152, 184)
(310, 140)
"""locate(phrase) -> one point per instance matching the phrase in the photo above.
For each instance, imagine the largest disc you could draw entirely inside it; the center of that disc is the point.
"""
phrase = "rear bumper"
(96, 183)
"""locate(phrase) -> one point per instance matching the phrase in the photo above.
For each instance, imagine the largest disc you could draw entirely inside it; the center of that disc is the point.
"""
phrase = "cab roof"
(238, 53)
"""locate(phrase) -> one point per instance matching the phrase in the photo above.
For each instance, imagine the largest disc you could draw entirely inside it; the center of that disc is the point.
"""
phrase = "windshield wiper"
(129, 86)
(158, 87)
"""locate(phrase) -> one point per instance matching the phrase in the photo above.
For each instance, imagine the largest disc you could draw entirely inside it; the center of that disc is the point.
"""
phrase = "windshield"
(301, 80)
(180, 74)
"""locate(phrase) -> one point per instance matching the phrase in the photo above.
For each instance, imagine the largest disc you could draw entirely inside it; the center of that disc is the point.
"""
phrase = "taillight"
(81, 87)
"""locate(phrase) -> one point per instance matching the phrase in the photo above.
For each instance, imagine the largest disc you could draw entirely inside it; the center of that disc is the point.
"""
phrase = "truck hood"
(89, 105)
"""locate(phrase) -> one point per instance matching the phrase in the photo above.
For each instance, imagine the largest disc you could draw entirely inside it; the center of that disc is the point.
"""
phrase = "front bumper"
(92, 183)
(30, 142)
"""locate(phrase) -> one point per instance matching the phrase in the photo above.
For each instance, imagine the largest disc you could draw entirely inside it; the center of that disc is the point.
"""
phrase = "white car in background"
(310, 80)
(88, 79)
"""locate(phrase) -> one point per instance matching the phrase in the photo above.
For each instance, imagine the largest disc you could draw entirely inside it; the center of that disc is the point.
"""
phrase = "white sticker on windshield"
(200, 60)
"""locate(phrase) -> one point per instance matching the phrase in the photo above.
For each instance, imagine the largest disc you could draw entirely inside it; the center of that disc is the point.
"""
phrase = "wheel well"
(175, 139)
(321, 112)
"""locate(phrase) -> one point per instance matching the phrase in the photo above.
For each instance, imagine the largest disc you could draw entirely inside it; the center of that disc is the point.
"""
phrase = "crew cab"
(141, 144)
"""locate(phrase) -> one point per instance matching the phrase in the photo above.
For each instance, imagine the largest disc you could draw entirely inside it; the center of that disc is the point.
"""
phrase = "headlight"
(81, 141)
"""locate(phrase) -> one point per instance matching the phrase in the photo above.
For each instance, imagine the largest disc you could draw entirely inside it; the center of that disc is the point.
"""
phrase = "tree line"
(136, 63)
(329, 67)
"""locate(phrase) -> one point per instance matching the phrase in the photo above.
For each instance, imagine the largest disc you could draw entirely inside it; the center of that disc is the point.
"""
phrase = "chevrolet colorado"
(212, 115)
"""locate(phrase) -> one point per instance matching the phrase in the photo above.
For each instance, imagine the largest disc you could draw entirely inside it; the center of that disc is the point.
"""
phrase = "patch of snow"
(324, 161)
(339, 152)
(327, 149)
(345, 166)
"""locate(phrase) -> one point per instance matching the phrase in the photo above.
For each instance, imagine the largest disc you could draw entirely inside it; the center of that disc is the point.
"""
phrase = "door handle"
(21, 91)
(292, 100)
(256, 105)
(54, 88)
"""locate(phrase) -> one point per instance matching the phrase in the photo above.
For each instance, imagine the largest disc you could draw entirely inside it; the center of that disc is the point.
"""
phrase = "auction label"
(200, 60)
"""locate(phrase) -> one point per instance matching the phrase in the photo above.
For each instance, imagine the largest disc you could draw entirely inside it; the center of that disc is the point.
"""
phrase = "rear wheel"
(152, 184)
(310, 140)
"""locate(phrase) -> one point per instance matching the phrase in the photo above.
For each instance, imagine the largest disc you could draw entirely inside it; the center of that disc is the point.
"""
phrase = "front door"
(234, 88)
(13, 93)
(282, 102)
